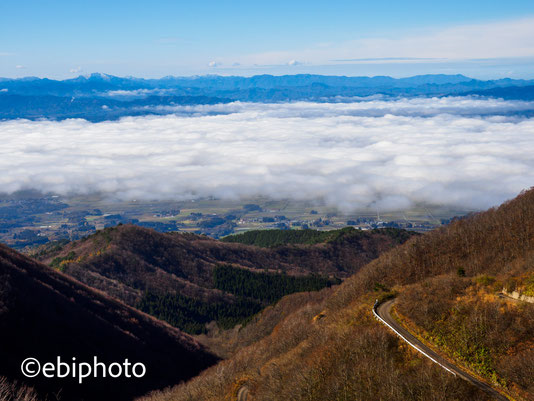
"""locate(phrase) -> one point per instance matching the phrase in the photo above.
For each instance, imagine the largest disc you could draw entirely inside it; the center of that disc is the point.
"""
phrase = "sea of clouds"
(389, 154)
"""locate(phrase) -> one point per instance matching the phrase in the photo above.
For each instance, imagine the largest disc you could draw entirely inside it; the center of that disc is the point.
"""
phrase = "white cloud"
(214, 64)
(491, 40)
(20, 67)
(294, 62)
(372, 106)
(136, 92)
(76, 70)
(503, 39)
(387, 153)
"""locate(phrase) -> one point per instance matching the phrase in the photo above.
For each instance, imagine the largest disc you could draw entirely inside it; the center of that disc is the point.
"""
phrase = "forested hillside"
(45, 314)
(190, 280)
(447, 286)
(274, 238)
(252, 290)
(466, 317)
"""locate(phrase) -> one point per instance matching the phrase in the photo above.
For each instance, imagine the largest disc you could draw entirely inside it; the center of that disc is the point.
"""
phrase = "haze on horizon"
(61, 39)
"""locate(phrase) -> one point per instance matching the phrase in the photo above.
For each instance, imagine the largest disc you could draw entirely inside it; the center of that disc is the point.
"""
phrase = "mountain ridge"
(45, 314)
(100, 97)
(143, 267)
(446, 282)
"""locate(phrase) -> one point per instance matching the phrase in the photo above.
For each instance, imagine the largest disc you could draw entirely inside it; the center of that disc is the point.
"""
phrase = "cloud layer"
(379, 153)
(493, 40)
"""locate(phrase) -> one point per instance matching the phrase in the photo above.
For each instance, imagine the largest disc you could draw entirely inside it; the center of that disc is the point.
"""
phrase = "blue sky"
(59, 39)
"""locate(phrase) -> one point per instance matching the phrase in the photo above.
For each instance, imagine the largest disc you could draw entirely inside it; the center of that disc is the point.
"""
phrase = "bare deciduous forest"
(330, 348)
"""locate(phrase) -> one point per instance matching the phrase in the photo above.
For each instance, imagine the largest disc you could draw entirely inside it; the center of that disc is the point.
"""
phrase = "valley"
(267, 201)
(296, 306)
(447, 283)
(29, 219)
(190, 280)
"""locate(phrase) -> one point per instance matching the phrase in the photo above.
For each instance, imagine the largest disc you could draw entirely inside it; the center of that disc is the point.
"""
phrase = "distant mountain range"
(98, 97)
(100, 83)
(92, 108)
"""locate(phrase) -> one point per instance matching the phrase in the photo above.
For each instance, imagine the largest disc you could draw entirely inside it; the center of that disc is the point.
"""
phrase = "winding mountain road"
(383, 312)
(242, 394)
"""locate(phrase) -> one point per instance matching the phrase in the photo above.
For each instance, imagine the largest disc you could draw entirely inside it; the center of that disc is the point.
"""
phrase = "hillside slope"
(190, 280)
(45, 314)
(447, 284)
(277, 238)
(128, 250)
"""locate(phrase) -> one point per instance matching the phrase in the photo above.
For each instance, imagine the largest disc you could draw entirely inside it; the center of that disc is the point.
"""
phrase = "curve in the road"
(242, 393)
(383, 313)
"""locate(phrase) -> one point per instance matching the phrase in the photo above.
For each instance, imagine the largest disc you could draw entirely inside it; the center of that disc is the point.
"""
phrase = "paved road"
(384, 311)
(242, 394)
